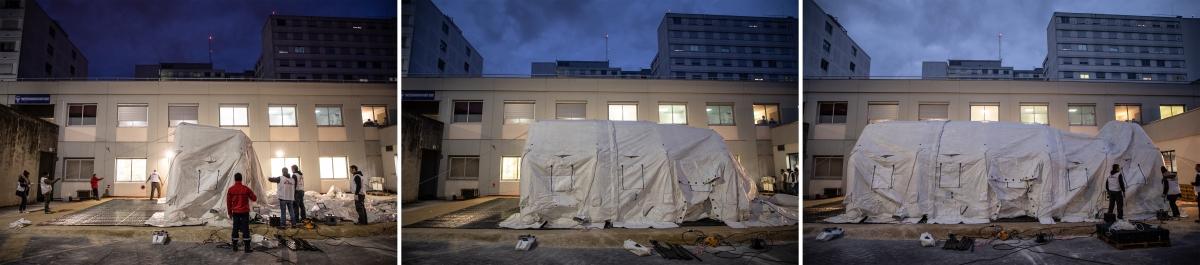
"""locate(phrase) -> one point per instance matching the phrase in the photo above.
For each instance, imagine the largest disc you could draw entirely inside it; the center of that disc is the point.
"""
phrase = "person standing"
(1171, 189)
(237, 203)
(23, 189)
(285, 190)
(96, 187)
(360, 195)
(155, 184)
(1116, 189)
(299, 198)
(48, 190)
(1196, 188)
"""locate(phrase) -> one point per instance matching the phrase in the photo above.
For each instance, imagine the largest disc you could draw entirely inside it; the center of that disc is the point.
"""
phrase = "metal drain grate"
(818, 213)
(485, 215)
(115, 212)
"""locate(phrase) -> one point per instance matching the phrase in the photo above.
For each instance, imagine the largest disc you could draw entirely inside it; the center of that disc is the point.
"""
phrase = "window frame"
(671, 112)
(1045, 115)
(504, 164)
(133, 167)
(245, 114)
(1082, 118)
(622, 109)
(172, 123)
(145, 115)
(341, 117)
(520, 121)
(344, 169)
(721, 118)
(82, 175)
(450, 164)
(972, 106)
(1181, 110)
(271, 121)
(558, 113)
(833, 112)
(83, 114)
(375, 110)
(766, 111)
(829, 166)
(1137, 119)
(275, 170)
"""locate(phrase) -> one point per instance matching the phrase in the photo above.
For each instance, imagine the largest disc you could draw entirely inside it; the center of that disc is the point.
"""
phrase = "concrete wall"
(25, 138)
(491, 139)
(1180, 133)
(838, 139)
(419, 133)
(105, 142)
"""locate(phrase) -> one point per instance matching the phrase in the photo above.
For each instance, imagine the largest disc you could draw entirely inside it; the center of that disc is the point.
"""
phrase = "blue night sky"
(901, 34)
(117, 34)
(512, 34)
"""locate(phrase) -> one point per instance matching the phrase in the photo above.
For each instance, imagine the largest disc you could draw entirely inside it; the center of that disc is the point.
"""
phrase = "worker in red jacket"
(237, 201)
(96, 187)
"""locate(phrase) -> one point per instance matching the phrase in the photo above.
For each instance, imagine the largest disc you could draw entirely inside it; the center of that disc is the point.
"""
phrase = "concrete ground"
(568, 246)
(110, 250)
(22, 243)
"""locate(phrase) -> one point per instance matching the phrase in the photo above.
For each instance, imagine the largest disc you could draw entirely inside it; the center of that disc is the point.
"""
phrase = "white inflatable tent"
(971, 172)
(202, 172)
(582, 174)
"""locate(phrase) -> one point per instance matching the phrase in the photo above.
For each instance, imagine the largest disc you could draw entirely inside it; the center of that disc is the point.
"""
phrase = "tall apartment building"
(976, 69)
(583, 68)
(831, 52)
(328, 48)
(177, 70)
(433, 45)
(1101, 47)
(717, 47)
(33, 45)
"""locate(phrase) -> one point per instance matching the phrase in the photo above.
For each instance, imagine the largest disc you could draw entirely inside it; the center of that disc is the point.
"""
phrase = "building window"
(510, 168)
(79, 114)
(985, 112)
(1081, 115)
(672, 114)
(282, 115)
(570, 111)
(825, 46)
(1035, 114)
(468, 111)
(329, 115)
(1166, 111)
(464, 167)
(853, 51)
(882, 112)
(824, 65)
(442, 46)
(234, 115)
(1085, 76)
(278, 163)
(333, 167)
(374, 115)
(12, 4)
(1128, 112)
(719, 114)
(827, 167)
(49, 69)
(933, 112)
(10, 24)
(78, 169)
(622, 112)
(852, 67)
(1169, 161)
(182, 113)
(130, 170)
(466, 67)
(828, 28)
(766, 114)
(8, 46)
(132, 115)
(445, 28)
(518, 112)
(832, 112)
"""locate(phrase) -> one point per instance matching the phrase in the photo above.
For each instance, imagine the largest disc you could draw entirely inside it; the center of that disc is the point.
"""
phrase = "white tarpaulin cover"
(577, 174)
(971, 172)
(202, 172)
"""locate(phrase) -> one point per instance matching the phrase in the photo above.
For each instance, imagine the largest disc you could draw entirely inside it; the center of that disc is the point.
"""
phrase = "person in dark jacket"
(23, 189)
(360, 195)
(1116, 191)
(1196, 188)
(298, 201)
(237, 203)
(1171, 190)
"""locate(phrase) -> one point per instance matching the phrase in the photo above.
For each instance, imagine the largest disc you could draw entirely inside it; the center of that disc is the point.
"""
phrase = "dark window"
(853, 51)
(828, 28)
(363, 64)
(72, 70)
(441, 65)
(772, 64)
(53, 33)
(377, 64)
(443, 46)
(1145, 62)
(468, 51)
(49, 69)
(1130, 76)
(301, 63)
(285, 76)
(676, 20)
(758, 63)
(50, 50)
(1162, 63)
(1064, 20)
(8, 46)
(832, 112)
(466, 67)
(852, 67)
(1100, 75)
(11, 4)
(283, 63)
(445, 28)
(825, 45)
(824, 65)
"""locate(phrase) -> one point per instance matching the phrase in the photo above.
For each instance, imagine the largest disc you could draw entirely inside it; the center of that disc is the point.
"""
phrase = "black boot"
(234, 245)
(247, 242)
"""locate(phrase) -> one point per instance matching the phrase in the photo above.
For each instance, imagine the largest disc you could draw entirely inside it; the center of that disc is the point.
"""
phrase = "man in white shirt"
(155, 184)
(1171, 189)
(1115, 184)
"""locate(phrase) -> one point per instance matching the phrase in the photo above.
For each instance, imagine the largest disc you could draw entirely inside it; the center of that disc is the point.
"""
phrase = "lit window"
(985, 113)
(766, 114)
(333, 167)
(719, 114)
(282, 115)
(233, 115)
(463, 167)
(131, 115)
(570, 111)
(1082, 115)
(278, 163)
(672, 114)
(376, 114)
(510, 168)
(622, 112)
(832, 112)
(329, 115)
(1128, 112)
(130, 170)
(1165, 111)
(183, 113)
(1085, 76)
(518, 112)
(81, 114)
(1035, 114)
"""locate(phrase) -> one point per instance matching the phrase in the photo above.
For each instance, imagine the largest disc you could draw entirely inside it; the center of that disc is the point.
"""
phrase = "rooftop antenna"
(210, 49)
(999, 46)
(606, 46)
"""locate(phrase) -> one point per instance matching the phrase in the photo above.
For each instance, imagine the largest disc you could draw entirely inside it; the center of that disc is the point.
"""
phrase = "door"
(429, 174)
(45, 167)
